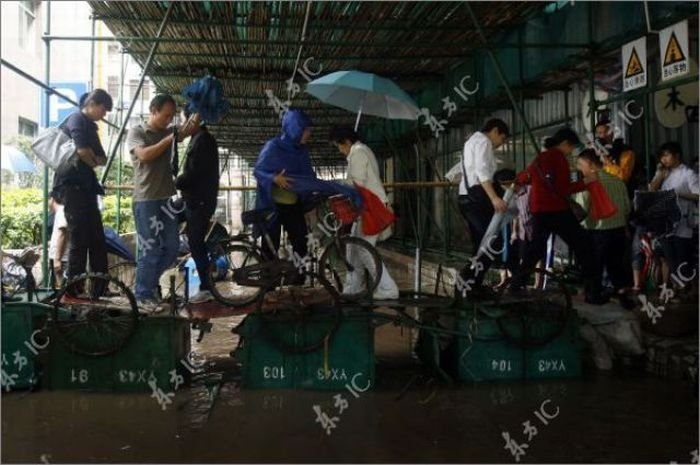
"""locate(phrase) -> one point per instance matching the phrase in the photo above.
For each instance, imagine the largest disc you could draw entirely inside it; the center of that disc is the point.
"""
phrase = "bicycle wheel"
(224, 264)
(538, 316)
(124, 272)
(337, 268)
(91, 325)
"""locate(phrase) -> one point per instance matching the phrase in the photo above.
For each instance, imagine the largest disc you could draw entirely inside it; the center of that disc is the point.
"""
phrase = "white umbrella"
(15, 161)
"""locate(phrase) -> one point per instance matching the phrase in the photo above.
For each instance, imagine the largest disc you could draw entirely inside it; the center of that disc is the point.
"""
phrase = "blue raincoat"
(285, 152)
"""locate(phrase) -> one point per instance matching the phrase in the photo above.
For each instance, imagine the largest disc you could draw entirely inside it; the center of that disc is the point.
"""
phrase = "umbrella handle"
(359, 113)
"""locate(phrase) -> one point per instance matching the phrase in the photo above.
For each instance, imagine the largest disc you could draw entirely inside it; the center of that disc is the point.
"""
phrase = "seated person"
(286, 154)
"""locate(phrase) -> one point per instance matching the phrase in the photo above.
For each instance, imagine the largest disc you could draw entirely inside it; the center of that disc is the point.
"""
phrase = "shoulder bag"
(53, 146)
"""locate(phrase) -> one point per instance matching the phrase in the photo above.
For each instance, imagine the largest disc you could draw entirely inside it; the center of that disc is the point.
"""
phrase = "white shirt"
(683, 180)
(59, 222)
(479, 161)
(364, 170)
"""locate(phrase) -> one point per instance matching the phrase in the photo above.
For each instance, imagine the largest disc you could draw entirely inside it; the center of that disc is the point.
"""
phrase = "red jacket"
(553, 164)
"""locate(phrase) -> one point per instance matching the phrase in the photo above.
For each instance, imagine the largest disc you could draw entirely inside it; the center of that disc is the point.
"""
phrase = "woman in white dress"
(364, 170)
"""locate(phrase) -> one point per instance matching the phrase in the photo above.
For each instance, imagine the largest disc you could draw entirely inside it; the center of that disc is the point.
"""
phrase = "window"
(145, 94)
(113, 87)
(113, 51)
(27, 128)
(27, 16)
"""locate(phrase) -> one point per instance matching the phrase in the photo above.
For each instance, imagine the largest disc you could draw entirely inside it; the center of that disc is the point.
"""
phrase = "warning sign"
(634, 64)
(634, 67)
(673, 47)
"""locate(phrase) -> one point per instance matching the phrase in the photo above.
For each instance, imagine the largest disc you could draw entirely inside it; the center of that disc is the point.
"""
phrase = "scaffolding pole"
(146, 66)
(46, 117)
(501, 76)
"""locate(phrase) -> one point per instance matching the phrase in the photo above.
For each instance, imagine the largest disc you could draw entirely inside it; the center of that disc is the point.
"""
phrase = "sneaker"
(201, 297)
(149, 306)
(386, 295)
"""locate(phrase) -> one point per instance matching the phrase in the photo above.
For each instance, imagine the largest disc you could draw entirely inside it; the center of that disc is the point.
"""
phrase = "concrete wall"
(20, 98)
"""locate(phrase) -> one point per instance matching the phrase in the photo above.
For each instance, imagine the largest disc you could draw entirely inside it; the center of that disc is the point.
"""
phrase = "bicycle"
(249, 276)
(256, 276)
(87, 306)
(125, 271)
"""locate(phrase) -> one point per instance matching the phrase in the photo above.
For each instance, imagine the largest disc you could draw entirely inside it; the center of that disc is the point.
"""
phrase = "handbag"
(53, 146)
(579, 212)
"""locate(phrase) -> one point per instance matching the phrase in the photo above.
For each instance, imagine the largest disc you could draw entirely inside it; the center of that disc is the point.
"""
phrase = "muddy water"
(602, 418)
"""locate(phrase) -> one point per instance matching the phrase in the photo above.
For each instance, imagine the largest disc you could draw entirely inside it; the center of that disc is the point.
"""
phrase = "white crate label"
(334, 374)
(79, 376)
(135, 376)
(551, 365)
(501, 365)
(273, 372)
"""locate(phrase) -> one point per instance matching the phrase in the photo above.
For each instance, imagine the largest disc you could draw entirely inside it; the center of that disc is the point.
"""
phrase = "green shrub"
(21, 216)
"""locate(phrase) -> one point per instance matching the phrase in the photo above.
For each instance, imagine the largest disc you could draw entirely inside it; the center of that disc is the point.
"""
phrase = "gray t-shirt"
(153, 180)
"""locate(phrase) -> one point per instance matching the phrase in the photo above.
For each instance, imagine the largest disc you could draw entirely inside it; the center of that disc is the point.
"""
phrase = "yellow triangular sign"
(634, 66)
(674, 53)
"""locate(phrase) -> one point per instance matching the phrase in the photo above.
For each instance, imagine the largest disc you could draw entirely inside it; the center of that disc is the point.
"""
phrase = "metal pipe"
(655, 88)
(199, 40)
(122, 71)
(47, 116)
(647, 135)
(591, 74)
(92, 56)
(255, 56)
(301, 46)
(324, 25)
(46, 87)
(419, 229)
(147, 65)
(499, 72)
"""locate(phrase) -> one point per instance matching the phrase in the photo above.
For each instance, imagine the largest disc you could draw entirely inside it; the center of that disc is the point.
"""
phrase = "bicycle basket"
(343, 209)
(657, 211)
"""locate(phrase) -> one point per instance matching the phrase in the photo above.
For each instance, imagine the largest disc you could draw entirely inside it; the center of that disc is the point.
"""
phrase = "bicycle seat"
(240, 237)
(257, 216)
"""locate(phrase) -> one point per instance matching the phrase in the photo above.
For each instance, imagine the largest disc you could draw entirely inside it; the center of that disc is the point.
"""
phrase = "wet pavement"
(621, 417)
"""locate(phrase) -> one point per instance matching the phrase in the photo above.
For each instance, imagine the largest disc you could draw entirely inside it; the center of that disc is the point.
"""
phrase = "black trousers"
(198, 215)
(291, 217)
(477, 209)
(564, 225)
(86, 235)
(609, 250)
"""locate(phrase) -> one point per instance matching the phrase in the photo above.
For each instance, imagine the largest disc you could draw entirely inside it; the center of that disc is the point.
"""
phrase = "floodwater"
(623, 417)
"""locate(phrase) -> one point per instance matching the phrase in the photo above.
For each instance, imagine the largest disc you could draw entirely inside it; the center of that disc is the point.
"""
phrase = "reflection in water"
(604, 418)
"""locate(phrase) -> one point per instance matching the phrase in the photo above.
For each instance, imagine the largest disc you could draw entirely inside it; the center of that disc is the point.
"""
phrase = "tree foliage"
(21, 216)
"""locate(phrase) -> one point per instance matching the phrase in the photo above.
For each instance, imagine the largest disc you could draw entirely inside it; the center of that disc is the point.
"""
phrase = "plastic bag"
(376, 217)
(601, 205)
